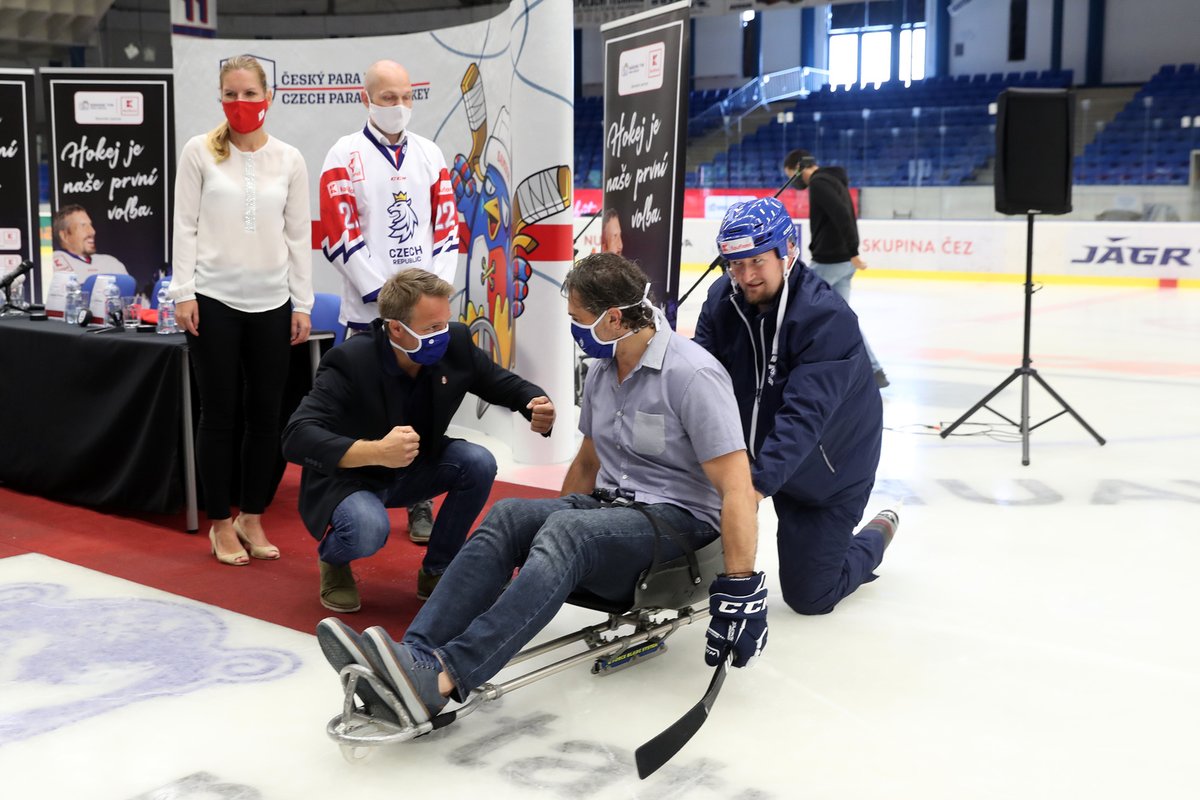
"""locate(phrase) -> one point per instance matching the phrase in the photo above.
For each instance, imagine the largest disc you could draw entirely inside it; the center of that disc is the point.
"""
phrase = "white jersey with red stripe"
(86, 266)
(385, 208)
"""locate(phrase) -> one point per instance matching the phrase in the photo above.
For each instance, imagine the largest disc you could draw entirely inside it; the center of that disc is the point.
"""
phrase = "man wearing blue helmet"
(810, 409)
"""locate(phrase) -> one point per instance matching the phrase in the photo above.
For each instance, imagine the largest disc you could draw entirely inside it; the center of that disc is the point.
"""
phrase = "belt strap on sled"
(620, 499)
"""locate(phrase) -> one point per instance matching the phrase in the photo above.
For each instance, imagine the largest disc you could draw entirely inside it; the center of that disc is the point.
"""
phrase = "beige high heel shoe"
(237, 558)
(266, 552)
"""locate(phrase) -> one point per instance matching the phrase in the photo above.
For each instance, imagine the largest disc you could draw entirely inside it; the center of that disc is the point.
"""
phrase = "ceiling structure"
(34, 31)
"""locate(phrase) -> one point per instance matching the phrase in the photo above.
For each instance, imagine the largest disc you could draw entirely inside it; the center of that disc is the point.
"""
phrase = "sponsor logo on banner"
(641, 69)
(715, 206)
(1130, 250)
(709, 203)
(932, 245)
(108, 108)
(10, 238)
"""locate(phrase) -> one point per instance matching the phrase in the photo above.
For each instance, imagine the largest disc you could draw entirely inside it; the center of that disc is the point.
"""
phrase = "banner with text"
(194, 18)
(19, 239)
(112, 152)
(1166, 253)
(712, 203)
(645, 132)
(495, 96)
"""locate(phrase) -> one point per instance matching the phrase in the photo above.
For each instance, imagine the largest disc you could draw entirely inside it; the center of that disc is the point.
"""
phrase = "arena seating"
(936, 132)
(589, 131)
(1147, 142)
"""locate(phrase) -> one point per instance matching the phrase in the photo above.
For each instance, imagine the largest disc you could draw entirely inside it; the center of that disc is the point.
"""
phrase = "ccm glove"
(739, 619)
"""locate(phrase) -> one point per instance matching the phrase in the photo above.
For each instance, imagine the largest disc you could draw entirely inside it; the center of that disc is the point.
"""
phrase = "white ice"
(1031, 633)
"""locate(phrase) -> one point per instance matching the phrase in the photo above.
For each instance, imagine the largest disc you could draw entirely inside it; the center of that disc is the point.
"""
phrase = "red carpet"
(153, 550)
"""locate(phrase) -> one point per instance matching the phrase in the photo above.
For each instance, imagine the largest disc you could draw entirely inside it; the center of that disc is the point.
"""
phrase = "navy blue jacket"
(820, 421)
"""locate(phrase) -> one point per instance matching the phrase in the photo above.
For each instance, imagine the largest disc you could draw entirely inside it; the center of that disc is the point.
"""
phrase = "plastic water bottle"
(74, 300)
(166, 311)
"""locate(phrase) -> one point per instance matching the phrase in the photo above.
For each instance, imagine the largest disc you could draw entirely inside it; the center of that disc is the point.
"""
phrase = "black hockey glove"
(739, 619)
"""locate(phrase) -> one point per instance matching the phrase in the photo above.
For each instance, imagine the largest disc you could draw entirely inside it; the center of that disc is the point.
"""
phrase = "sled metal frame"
(652, 620)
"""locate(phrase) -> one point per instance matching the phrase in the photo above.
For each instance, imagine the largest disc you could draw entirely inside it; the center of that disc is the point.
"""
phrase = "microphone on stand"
(7, 280)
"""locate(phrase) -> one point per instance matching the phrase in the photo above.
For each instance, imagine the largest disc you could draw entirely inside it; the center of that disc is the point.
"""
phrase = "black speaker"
(1034, 132)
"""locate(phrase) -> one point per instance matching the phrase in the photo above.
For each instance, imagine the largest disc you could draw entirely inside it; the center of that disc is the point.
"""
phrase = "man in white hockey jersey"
(387, 205)
(76, 239)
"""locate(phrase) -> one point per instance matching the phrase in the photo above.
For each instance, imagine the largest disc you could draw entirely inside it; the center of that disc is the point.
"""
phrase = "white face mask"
(390, 119)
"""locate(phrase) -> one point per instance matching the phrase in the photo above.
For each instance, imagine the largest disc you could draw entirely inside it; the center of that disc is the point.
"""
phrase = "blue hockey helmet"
(754, 227)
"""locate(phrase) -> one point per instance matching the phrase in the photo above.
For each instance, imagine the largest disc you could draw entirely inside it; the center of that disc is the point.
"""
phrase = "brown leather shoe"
(338, 589)
(426, 583)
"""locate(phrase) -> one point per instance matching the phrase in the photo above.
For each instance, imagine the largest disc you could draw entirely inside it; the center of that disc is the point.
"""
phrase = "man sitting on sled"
(662, 448)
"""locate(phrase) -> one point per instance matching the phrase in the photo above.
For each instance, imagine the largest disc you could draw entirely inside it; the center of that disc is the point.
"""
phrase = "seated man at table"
(76, 251)
(371, 435)
(659, 425)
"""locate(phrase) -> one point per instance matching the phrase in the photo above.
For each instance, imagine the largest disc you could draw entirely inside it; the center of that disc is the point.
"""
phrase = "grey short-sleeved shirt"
(675, 411)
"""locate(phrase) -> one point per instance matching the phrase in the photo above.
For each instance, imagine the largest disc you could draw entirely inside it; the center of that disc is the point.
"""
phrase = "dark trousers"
(821, 560)
(254, 349)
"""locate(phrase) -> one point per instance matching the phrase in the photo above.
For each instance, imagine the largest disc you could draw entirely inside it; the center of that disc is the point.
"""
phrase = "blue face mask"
(585, 337)
(594, 347)
(430, 347)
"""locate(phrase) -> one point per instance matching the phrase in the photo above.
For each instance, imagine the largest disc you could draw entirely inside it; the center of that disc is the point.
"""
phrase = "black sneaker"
(881, 379)
(342, 647)
(420, 521)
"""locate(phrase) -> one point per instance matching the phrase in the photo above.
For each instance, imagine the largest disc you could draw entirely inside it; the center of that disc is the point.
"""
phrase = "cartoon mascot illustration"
(497, 246)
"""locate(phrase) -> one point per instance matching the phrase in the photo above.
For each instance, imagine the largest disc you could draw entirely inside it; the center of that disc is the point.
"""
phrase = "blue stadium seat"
(325, 311)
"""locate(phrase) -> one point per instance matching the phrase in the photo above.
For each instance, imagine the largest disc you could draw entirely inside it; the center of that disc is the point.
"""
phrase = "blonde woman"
(242, 285)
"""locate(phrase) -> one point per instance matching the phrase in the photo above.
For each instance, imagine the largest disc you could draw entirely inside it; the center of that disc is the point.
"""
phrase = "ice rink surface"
(1031, 634)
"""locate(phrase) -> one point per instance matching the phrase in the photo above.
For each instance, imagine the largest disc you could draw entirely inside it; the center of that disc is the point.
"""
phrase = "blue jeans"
(360, 526)
(838, 277)
(475, 625)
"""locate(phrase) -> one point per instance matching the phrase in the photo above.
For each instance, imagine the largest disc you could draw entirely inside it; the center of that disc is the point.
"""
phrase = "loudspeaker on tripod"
(1034, 133)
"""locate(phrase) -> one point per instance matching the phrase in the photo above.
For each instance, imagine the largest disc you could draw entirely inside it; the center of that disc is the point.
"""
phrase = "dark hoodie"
(831, 217)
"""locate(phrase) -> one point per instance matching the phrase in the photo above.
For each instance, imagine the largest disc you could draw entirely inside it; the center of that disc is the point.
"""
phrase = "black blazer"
(350, 400)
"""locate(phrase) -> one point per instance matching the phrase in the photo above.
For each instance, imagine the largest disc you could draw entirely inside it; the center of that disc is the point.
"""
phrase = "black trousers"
(253, 349)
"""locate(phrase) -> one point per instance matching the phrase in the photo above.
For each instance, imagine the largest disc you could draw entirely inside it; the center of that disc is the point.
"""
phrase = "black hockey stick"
(662, 748)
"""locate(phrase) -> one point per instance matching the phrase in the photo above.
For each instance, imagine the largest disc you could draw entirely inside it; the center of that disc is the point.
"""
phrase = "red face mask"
(245, 116)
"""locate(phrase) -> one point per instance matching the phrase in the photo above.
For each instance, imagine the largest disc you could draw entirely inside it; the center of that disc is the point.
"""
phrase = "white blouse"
(243, 231)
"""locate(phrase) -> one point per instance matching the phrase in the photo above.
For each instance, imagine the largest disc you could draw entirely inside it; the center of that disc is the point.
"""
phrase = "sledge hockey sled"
(667, 597)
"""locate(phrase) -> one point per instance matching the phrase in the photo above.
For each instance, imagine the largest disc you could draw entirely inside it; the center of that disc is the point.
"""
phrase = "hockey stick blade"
(663, 747)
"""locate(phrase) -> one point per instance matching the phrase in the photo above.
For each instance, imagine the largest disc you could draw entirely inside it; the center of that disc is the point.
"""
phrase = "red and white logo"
(737, 245)
(356, 167)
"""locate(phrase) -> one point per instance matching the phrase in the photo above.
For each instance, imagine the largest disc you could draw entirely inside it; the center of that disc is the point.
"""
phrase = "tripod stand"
(1025, 372)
